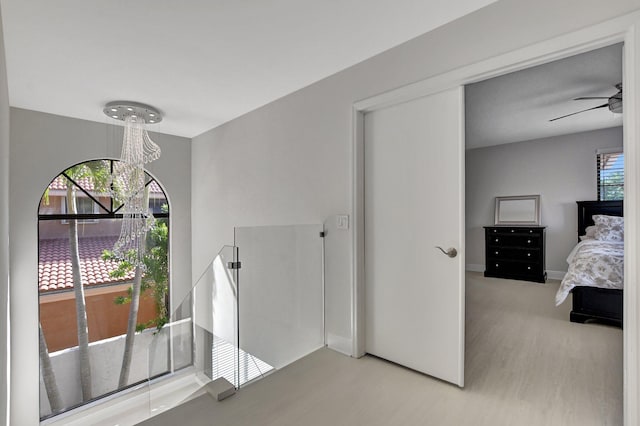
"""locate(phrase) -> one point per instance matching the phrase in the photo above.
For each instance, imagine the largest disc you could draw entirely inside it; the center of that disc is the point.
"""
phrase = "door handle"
(451, 252)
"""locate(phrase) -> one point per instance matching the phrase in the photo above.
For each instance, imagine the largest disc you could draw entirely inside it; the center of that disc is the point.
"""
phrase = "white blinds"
(610, 175)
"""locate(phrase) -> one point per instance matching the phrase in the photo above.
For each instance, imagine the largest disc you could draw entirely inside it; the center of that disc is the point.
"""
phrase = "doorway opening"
(554, 130)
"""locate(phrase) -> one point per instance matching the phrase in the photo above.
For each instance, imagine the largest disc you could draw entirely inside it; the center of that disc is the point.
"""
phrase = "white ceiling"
(201, 62)
(518, 106)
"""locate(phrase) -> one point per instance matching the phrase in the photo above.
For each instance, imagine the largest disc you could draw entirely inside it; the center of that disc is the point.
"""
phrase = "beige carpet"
(526, 364)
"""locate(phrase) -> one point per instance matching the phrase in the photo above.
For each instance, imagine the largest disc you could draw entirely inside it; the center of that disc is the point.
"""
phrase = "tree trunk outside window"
(49, 376)
(133, 311)
(78, 289)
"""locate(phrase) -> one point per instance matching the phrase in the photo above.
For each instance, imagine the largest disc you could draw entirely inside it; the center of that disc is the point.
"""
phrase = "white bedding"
(593, 263)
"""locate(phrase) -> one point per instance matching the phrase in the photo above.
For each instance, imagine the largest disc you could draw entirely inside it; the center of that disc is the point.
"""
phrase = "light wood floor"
(526, 364)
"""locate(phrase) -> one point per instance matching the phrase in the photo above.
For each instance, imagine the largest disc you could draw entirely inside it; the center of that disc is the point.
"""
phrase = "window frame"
(600, 153)
(110, 211)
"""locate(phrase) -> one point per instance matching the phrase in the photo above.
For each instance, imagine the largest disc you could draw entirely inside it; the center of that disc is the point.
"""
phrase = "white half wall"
(4, 235)
(290, 161)
(561, 169)
(43, 145)
(106, 362)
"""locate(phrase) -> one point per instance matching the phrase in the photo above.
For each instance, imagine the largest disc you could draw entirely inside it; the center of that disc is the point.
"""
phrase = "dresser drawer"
(514, 268)
(503, 230)
(506, 240)
(498, 253)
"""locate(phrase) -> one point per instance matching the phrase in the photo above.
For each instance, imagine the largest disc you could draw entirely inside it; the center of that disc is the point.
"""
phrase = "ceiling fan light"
(615, 104)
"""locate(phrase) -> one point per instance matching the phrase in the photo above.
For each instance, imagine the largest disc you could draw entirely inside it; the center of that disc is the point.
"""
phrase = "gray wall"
(4, 230)
(42, 145)
(561, 169)
(290, 161)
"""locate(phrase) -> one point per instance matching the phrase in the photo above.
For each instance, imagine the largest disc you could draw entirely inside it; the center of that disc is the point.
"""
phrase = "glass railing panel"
(200, 339)
(281, 300)
(224, 317)
(281, 312)
(171, 351)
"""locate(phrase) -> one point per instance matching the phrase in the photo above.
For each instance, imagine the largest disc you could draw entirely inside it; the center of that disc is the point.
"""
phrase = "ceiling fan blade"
(590, 97)
(584, 110)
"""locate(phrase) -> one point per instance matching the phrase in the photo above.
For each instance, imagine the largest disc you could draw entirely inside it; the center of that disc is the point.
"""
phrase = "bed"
(595, 296)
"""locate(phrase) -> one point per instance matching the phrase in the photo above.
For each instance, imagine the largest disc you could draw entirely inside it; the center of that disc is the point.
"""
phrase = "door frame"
(622, 29)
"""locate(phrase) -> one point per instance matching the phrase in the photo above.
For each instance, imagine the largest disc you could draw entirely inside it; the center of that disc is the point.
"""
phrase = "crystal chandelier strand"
(127, 185)
(151, 149)
(140, 149)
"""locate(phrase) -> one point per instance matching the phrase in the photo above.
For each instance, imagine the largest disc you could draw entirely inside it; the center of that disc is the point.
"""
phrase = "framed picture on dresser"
(518, 210)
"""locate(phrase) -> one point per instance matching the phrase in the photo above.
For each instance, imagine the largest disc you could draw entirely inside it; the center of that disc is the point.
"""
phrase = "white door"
(414, 201)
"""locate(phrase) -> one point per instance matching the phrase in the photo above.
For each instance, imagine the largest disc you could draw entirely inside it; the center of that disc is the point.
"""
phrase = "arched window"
(96, 313)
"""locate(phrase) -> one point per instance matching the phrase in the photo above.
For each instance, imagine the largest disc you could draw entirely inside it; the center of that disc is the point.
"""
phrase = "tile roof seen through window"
(54, 268)
(60, 183)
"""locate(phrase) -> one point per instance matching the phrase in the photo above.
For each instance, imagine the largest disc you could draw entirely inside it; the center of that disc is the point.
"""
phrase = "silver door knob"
(451, 252)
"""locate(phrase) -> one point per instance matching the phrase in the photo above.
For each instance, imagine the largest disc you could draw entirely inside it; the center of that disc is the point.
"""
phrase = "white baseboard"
(556, 275)
(340, 344)
(474, 267)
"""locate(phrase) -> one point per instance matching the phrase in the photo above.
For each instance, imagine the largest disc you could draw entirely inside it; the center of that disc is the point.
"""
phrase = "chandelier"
(128, 182)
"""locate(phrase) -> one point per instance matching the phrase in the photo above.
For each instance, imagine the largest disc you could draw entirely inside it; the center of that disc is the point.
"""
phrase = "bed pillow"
(609, 228)
(590, 233)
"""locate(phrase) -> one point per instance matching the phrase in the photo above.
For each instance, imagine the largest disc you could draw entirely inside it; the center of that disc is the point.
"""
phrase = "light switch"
(342, 221)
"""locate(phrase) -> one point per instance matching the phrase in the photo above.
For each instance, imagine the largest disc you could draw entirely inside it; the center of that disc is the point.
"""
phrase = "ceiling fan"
(614, 103)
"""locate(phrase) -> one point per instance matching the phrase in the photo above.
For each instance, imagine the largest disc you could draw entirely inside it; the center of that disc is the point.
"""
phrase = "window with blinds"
(610, 175)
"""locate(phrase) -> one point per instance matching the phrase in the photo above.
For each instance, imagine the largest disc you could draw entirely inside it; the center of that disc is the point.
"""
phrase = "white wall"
(289, 162)
(42, 145)
(561, 169)
(4, 232)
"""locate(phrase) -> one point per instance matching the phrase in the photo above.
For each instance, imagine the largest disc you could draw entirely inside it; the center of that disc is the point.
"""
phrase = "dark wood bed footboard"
(591, 303)
(598, 304)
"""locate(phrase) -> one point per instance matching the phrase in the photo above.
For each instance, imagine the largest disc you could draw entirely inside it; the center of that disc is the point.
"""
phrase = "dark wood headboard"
(586, 209)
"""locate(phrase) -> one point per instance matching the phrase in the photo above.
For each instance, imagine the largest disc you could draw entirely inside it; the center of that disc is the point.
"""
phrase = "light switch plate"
(342, 221)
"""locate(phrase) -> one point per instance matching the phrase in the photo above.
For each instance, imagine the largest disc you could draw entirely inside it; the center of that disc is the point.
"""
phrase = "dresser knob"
(497, 265)
(497, 239)
(529, 267)
(531, 231)
(528, 254)
(528, 241)
(513, 230)
(497, 252)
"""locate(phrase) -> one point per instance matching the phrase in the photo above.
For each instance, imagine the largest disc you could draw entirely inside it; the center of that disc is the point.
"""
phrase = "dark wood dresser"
(515, 252)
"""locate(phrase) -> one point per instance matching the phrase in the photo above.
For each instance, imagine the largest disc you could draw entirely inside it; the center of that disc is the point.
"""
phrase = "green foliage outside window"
(156, 278)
